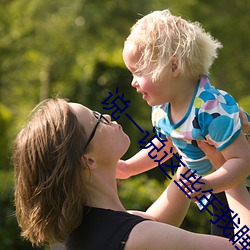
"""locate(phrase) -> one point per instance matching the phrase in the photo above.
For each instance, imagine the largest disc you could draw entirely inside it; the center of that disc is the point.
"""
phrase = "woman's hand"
(245, 124)
(214, 156)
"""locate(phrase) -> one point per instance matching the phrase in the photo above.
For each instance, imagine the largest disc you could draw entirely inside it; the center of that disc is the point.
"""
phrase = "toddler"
(170, 59)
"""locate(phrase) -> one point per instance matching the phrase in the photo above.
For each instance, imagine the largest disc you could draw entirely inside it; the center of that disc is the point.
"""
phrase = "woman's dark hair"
(49, 180)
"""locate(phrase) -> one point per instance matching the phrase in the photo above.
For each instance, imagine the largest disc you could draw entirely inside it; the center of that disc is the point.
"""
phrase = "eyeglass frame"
(100, 118)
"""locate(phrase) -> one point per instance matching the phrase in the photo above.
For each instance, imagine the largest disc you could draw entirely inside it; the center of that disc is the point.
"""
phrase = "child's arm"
(235, 169)
(141, 161)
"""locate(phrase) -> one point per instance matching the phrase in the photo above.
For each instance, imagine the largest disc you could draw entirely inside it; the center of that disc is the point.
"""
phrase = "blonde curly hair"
(49, 181)
(160, 36)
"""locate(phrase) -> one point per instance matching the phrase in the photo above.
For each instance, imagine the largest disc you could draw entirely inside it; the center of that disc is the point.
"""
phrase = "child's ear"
(175, 66)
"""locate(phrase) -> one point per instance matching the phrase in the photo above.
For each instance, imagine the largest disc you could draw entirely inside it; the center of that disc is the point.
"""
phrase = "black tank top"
(102, 229)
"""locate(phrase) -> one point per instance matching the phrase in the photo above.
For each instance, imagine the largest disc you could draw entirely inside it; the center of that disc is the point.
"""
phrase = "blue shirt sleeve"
(219, 119)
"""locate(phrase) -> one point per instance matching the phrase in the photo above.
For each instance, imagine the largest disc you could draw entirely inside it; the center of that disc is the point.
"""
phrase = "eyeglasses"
(100, 118)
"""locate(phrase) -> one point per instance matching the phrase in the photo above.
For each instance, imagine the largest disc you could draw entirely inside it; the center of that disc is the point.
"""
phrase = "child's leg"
(239, 201)
(219, 231)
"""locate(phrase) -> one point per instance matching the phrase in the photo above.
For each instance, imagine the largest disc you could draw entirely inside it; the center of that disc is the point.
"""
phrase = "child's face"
(154, 93)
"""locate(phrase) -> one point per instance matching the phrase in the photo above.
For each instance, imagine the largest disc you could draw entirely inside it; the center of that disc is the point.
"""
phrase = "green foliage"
(139, 192)
(73, 48)
(196, 221)
(5, 123)
(228, 22)
(9, 231)
(245, 103)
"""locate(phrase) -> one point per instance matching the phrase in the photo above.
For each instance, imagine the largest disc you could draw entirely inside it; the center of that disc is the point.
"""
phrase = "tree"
(72, 48)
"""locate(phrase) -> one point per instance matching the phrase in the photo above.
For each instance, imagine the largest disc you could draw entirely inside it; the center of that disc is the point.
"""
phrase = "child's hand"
(122, 170)
(194, 190)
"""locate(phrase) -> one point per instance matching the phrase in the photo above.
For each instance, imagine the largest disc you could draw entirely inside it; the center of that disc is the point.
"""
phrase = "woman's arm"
(235, 169)
(232, 166)
(159, 236)
(239, 201)
(214, 156)
(238, 197)
(171, 207)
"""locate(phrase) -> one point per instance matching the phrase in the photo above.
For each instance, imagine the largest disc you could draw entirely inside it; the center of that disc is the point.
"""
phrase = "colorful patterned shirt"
(213, 115)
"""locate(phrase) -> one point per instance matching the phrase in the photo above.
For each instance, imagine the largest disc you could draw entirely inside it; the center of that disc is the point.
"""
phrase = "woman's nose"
(108, 117)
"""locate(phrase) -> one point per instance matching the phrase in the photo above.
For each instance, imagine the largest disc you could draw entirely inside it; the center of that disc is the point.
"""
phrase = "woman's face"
(109, 140)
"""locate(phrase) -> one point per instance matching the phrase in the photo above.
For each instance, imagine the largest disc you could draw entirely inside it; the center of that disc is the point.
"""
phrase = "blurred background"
(72, 48)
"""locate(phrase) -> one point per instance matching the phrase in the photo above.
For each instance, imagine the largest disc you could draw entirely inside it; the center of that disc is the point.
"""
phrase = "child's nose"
(134, 83)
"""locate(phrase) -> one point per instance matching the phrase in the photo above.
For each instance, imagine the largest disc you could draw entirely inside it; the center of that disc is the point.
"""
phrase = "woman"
(65, 187)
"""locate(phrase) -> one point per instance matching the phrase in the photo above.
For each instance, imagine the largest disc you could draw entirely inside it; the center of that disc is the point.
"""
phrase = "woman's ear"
(175, 66)
(89, 161)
